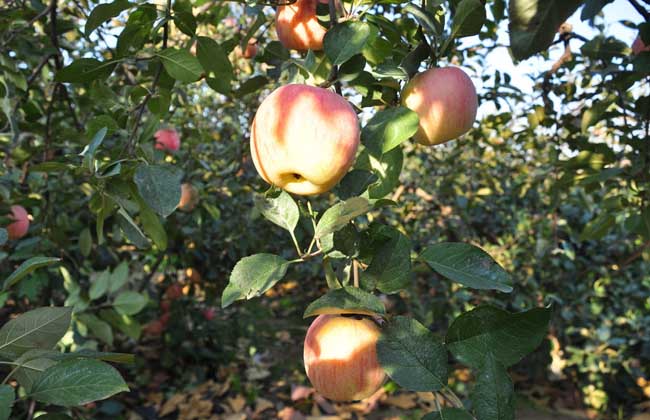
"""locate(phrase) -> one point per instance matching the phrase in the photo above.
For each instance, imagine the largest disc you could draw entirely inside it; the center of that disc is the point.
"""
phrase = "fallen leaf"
(237, 403)
(300, 392)
(172, 404)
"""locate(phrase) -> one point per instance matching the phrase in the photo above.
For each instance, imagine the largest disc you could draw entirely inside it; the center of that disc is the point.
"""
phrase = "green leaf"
(4, 236)
(354, 183)
(85, 242)
(388, 129)
(597, 228)
(468, 265)
(281, 210)
(124, 323)
(31, 365)
(100, 329)
(390, 268)
(153, 226)
(252, 276)
(604, 48)
(449, 414)
(487, 330)
(119, 277)
(345, 40)
(469, 18)
(493, 397)
(181, 65)
(39, 328)
(346, 300)
(90, 149)
(129, 302)
(387, 168)
(183, 17)
(6, 401)
(412, 356)
(131, 230)
(28, 267)
(100, 285)
(594, 114)
(77, 382)
(85, 70)
(340, 214)
(534, 23)
(214, 61)
(103, 12)
(423, 17)
(159, 186)
(592, 8)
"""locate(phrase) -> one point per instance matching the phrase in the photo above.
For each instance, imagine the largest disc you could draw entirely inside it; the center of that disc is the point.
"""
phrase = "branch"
(642, 10)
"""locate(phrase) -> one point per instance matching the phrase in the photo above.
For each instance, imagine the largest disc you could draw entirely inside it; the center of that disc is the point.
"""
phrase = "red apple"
(208, 314)
(20, 226)
(174, 291)
(638, 46)
(446, 102)
(251, 48)
(340, 356)
(167, 139)
(189, 197)
(304, 139)
(297, 26)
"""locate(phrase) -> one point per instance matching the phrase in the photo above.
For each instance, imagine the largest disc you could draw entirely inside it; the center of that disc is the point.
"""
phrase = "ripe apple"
(174, 291)
(20, 226)
(251, 48)
(340, 356)
(446, 102)
(304, 139)
(189, 197)
(297, 26)
(167, 139)
(638, 46)
(209, 314)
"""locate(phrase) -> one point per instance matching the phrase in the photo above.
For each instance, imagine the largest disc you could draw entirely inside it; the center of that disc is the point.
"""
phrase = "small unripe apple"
(638, 46)
(340, 356)
(189, 197)
(304, 139)
(20, 225)
(167, 139)
(446, 102)
(297, 26)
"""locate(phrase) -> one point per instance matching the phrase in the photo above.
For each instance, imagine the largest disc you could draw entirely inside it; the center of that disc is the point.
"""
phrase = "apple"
(638, 46)
(297, 26)
(446, 102)
(189, 197)
(340, 356)
(208, 314)
(20, 226)
(304, 139)
(174, 291)
(251, 48)
(167, 139)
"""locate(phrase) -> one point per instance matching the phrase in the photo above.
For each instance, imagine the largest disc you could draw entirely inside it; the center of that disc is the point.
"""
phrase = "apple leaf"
(181, 65)
(469, 18)
(346, 300)
(388, 129)
(4, 236)
(85, 70)
(7, 396)
(281, 210)
(129, 302)
(412, 356)
(214, 60)
(252, 276)
(390, 268)
(27, 267)
(487, 330)
(354, 183)
(424, 18)
(103, 12)
(340, 214)
(345, 40)
(387, 168)
(467, 265)
(159, 186)
(449, 414)
(493, 397)
(534, 23)
(39, 328)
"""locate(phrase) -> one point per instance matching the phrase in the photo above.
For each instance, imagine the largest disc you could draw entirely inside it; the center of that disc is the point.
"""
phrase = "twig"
(30, 24)
(335, 69)
(642, 10)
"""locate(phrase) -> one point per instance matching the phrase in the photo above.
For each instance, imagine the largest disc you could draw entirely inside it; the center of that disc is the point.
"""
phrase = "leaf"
(467, 265)
(597, 228)
(390, 268)
(85, 242)
(100, 285)
(488, 330)
(493, 397)
(77, 382)
(4, 236)
(346, 300)
(252, 276)
(423, 17)
(131, 230)
(124, 323)
(159, 186)
(100, 329)
(103, 12)
(281, 210)
(181, 65)
(387, 168)
(119, 276)
(340, 215)
(449, 414)
(469, 18)
(388, 129)
(592, 8)
(183, 17)
(31, 365)
(345, 40)
(354, 183)
(214, 61)
(28, 267)
(90, 149)
(6, 401)
(152, 226)
(412, 356)
(534, 23)
(39, 328)
(85, 70)
(129, 302)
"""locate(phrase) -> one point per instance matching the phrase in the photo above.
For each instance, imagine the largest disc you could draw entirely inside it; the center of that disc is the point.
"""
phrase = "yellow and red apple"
(297, 26)
(638, 46)
(167, 139)
(446, 102)
(251, 48)
(20, 225)
(304, 139)
(340, 355)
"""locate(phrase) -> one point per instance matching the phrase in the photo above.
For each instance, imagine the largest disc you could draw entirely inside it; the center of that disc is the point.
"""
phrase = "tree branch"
(642, 10)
